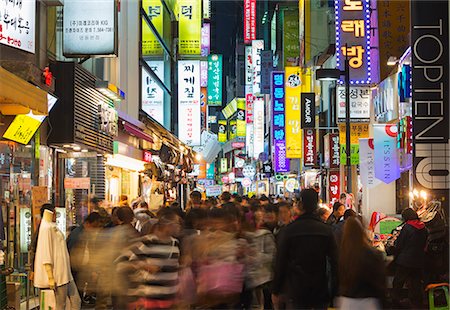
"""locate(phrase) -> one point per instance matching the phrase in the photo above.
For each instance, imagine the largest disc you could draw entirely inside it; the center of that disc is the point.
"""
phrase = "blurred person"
(114, 220)
(305, 249)
(143, 216)
(338, 228)
(284, 215)
(409, 253)
(151, 265)
(324, 213)
(343, 198)
(210, 203)
(123, 201)
(271, 217)
(175, 207)
(258, 216)
(264, 200)
(362, 281)
(195, 199)
(338, 212)
(225, 198)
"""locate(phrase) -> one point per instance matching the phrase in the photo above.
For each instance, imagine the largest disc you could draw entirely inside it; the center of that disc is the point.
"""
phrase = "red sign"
(77, 183)
(47, 77)
(334, 183)
(335, 155)
(249, 21)
(309, 147)
(203, 108)
(249, 99)
(148, 157)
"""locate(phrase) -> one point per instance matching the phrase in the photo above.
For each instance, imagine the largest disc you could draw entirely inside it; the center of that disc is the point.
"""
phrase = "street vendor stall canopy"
(20, 97)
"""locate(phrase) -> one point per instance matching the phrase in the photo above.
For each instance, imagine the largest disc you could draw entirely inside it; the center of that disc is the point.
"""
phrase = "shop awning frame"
(17, 96)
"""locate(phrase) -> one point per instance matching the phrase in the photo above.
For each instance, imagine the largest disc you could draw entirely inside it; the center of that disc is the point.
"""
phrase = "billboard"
(189, 121)
(189, 27)
(89, 27)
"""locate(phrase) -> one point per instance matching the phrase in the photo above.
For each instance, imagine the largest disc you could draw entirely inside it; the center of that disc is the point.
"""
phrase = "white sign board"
(258, 127)
(213, 191)
(89, 27)
(152, 93)
(359, 103)
(189, 122)
(248, 66)
(17, 24)
(257, 47)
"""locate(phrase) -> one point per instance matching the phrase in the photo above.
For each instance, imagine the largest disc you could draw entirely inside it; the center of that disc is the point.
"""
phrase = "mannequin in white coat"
(52, 264)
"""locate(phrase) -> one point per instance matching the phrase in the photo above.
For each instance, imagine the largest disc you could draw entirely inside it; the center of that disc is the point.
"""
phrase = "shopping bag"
(187, 288)
(221, 278)
(48, 301)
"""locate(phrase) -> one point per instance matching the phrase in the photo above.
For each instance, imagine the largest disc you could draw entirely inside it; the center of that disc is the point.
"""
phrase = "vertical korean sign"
(308, 105)
(152, 94)
(291, 43)
(258, 126)
(150, 43)
(353, 38)
(257, 47)
(430, 90)
(189, 27)
(309, 148)
(249, 21)
(280, 162)
(293, 131)
(387, 167)
(206, 39)
(334, 185)
(189, 101)
(215, 80)
(17, 24)
(266, 70)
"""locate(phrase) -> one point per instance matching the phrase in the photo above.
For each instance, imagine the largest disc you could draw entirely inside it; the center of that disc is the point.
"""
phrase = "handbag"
(48, 301)
(221, 278)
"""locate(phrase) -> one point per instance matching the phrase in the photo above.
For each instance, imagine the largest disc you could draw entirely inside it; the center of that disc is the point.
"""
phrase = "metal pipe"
(347, 126)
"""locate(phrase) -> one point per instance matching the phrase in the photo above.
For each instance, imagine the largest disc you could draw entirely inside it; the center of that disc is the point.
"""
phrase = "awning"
(17, 96)
(137, 132)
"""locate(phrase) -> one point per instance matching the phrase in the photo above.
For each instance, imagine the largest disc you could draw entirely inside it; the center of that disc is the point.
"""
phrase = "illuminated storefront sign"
(206, 39)
(266, 70)
(258, 126)
(189, 27)
(222, 135)
(203, 73)
(334, 179)
(310, 151)
(280, 162)
(308, 114)
(152, 93)
(359, 104)
(357, 131)
(293, 131)
(291, 46)
(387, 168)
(88, 30)
(353, 38)
(215, 80)
(367, 163)
(240, 118)
(155, 12)
(248, 67)
(257, 47)
(332, 155)
(189, 101)
(249, 21)
(17, 24)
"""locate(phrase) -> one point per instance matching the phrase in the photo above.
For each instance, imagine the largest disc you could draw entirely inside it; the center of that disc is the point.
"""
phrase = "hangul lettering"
(353, 5)
(188, 68)
(186, 10)
(355, 26)
(355, 53)
(190, 80)
(154, 11)
(278, 93)
(278, 120)
(278, 106)
(278, 80)
(278, 134)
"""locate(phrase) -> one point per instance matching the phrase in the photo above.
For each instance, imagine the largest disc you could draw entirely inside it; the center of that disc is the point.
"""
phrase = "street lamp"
(333, 75)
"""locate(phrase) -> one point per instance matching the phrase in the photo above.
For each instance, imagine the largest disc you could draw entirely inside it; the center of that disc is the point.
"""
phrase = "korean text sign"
(257, 47)
(359, 104)
(293, 131)
(189, 27)
(353, 38)
(152, 93)
(309, 145)
(155, 12)
(189, 121)
(215, 80)
(281, 163)
(89, 27)
(17, 24)
(249, 21)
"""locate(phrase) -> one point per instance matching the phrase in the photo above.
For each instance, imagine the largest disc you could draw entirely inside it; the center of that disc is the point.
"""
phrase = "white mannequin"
(48, 217)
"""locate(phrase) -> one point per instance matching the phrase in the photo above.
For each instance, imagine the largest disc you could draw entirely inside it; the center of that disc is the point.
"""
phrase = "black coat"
(306, 248)
(409, 248)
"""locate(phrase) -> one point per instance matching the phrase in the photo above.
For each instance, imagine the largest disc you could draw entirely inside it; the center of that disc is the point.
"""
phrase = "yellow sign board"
(155, 12)
(22, 129)
(357, 131)
(293, 89)
(189, 27)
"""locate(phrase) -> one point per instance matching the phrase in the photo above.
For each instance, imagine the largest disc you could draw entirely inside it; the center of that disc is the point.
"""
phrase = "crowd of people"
(242, 253)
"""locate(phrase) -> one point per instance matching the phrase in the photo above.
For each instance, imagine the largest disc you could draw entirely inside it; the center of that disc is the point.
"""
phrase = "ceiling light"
(392, 61)
(76, 148)
(84, 151)
(66, 145)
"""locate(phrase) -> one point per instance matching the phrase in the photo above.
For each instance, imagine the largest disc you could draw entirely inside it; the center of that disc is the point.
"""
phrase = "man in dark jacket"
(304, 248)
(409, 251)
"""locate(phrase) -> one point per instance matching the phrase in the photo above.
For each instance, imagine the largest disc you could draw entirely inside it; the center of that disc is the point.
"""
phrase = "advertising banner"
(222, 129)
(232, 129)
(189, 27)
(204, 108)
(258, 126)
(334, 182)
(357, 131)
(206, 39)
(152, 94)
(240, 117)
(17, 24)
(308, 113)
(367, 163)
(291, 41)
(257, 47)
(203, 73)
(430, 102)
(215, 80)
(309, 148)
(249, 21)
(387, 167)
(292, 121)
(280, 161)
(189, 95)
(88, 30)
(266, 70)
(359, 104)
(155, 12)
(248, 68)
(353, 38)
